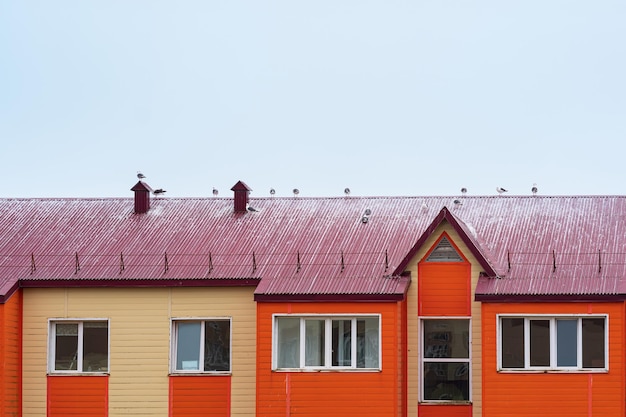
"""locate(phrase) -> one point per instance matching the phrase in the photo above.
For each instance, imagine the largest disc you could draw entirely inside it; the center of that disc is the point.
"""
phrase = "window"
(201, 346)
(553, 343)
(327, 342)
(445, 360)
(79, 346)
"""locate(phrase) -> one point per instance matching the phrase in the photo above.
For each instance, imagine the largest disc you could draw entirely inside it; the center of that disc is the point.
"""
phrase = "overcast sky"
(416, 97)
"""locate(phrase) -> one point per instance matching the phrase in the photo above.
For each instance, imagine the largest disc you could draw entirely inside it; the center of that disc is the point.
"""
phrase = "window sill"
(71, 373)
(223, 373)
(318, 370)
(553, 371)
(429, 403)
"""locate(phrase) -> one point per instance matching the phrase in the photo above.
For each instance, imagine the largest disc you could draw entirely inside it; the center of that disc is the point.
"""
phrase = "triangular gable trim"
(445, 214)
(444, 250)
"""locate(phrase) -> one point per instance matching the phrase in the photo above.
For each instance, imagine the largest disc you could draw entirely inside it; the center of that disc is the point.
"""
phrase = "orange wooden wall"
(553, 394)
(72, 395)
(444, 289)
(192, 396)
(328, 394)
(11, 356)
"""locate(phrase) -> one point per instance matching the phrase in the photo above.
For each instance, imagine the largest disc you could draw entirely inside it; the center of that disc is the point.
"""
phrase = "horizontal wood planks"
(11, 355)
(192, 396)
(330, 393)
(572, 394)
(79, 396)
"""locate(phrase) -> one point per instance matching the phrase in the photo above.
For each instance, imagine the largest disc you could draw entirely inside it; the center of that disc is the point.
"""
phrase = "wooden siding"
(192, 396)
(573, 394)
(11, 355)
(78, 396)
(330, 393)
(444, 289)
(412, 319)
(139, 322)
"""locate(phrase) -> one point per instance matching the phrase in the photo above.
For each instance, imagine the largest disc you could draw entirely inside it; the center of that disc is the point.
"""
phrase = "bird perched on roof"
(159, 191)
(296, 191)
(463, 190)
(272, 191)
(250, 208)
(534, 189)
(215, 192)
(501, 190)
(140, 175)
(458, 203)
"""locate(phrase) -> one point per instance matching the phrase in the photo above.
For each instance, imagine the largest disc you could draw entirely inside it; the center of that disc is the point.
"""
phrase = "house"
(368, 306)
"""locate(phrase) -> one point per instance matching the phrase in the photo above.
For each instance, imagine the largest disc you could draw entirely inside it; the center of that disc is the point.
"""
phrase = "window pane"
(95, 346)
(342, 343)
(367, 343)
(446, 338)
(512, 343)
(566, 342)
(188, 346)
(447, 381)
(66, 347)
(314, 346)
(540, 343)
(288, 340)
(217, 345)
(593, 343)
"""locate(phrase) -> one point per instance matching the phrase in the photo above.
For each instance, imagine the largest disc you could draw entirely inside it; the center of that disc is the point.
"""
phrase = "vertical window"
(326, 342)
(545, 343)
(201, 346)
(79, 346)
(445, 360)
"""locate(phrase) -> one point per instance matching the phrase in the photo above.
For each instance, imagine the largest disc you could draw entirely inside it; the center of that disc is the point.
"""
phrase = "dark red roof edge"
(128, 283)
(5, 297)
(541, 298)
(445, 214)
(295, 298)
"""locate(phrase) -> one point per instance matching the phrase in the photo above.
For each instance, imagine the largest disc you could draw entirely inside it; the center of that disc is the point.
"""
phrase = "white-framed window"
(445, 359)
(201, 345)
(78, 346)
(553, 343)
(327, 342)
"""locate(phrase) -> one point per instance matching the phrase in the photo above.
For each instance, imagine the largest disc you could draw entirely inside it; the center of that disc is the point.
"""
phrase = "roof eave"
(139, 283)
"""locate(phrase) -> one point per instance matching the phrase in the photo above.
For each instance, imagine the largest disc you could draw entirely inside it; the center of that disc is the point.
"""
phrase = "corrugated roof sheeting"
(314, 245)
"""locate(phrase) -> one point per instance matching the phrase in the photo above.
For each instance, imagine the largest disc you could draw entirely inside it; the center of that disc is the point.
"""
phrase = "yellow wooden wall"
(139, 321)
(413, 335)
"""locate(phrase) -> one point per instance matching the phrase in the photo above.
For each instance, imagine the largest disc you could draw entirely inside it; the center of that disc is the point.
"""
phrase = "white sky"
(415, 97)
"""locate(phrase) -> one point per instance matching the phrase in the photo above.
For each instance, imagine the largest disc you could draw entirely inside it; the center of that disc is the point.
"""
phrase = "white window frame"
(552, 318)
(52, 322)
(174, 340)
(423, 360)
(328, 318)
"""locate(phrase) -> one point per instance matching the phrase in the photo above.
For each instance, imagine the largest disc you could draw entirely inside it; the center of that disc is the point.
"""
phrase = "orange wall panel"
(448, 410)
(444, 289)
(84, 396)
(11, 356)
(573, 394)
(192, 396)
(330, 393)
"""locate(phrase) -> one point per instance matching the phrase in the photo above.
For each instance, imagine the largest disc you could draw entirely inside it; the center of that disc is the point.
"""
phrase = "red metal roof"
(312, 246)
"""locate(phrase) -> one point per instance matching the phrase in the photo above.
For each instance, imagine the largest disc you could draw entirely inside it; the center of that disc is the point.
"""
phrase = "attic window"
(444, 252)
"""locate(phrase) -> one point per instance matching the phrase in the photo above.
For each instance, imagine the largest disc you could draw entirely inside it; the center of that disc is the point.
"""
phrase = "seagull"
(463, 190)
(458, 203)
(501, 190)
(424, 207)
(346, 191)
(250, 208)
(160, 191)
(534, 189)
(296, 191)
(140, 175)
(215, 192)
(272, 191)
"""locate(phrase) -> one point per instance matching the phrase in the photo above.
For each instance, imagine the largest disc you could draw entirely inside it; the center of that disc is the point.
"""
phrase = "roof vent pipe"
(142, 197)
(242, 192)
